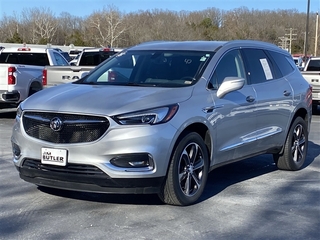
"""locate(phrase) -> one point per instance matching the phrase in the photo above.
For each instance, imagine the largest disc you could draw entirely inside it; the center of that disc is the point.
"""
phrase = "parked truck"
(88, 60)
(21, 73)
(311, 73)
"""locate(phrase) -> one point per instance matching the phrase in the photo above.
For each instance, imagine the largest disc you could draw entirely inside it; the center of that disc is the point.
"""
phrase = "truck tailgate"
(4, 76)
(313, 79)
(56, 75)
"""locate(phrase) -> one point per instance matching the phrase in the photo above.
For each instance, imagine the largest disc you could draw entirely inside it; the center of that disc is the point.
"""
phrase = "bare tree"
(42, 24)
(110, 27)
(106, 27)
(10, 28)
(70, 30)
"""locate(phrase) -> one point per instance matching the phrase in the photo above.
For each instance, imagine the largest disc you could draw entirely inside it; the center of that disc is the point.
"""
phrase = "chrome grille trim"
(76, 128)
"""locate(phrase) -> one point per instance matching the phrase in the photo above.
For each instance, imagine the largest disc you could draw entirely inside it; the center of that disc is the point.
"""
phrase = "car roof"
(179, 45)
(202, 45)
(24, 50)
(106, 49)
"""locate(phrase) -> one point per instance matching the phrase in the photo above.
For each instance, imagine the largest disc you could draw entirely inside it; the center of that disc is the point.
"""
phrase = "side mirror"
(84, 74)
(230, 84)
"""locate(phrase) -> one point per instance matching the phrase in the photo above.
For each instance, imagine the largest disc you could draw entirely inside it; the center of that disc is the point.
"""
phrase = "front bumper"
(85, 178)
(89, 165)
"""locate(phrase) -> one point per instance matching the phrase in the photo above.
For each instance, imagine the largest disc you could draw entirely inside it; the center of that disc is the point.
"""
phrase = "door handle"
(250, 99)
(286, 93)
(211, 108)
(208, 109)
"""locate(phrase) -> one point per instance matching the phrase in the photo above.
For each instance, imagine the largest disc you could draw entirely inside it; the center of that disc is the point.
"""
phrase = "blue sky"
(84, 8)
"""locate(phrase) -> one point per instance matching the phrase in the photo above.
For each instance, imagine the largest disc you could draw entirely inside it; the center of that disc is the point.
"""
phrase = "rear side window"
(282, 62)
(259, 65)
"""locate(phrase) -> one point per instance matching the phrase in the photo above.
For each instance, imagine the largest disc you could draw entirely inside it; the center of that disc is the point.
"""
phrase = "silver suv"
(158, 117)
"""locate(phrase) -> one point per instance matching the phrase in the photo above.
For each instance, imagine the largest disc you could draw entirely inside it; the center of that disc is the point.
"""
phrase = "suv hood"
(104, 100)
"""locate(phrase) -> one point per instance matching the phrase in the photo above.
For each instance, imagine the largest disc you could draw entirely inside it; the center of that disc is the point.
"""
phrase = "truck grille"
(64, 128)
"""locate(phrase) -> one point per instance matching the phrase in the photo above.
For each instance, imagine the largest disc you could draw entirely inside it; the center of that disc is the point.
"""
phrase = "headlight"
(19, 111)
(150, 116)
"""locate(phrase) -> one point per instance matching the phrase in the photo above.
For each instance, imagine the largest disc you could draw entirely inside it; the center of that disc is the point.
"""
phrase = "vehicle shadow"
(135, 199)
(218, 180)
(8, 115)
(226, 176)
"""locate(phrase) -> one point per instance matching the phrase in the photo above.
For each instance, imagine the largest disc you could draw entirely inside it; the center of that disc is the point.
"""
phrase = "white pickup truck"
(88, 60)
(21, 73)
(311, 73)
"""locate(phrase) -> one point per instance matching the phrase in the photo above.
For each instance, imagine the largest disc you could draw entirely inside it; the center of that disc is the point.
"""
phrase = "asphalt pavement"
(250, 199)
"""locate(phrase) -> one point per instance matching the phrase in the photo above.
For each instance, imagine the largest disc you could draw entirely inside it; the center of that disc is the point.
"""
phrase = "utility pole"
(291, 34)
(316, 38)
(283, 43)
(307, 32)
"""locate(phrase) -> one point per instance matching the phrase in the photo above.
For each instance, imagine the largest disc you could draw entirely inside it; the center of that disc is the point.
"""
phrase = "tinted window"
(314, 65)
(231, 65)
(94, 58)
(38, 59)
(259, 66)
(282, 62)
(61, 61)
(66, 56)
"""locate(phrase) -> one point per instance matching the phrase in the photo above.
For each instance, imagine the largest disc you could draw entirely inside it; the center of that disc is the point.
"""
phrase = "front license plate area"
(54, 156)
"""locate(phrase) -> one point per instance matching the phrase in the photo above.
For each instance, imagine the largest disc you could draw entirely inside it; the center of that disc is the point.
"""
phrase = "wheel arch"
(303, 113)
(202, 130)
(34, 87)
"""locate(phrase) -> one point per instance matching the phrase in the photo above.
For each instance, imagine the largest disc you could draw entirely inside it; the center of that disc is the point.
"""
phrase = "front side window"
(151, 68)
(231, 65)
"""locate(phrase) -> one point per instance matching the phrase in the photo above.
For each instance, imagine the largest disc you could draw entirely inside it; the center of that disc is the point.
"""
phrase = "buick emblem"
(56, 124)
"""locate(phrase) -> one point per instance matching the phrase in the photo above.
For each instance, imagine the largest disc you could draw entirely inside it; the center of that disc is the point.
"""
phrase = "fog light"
(16, 150)
(133, 160)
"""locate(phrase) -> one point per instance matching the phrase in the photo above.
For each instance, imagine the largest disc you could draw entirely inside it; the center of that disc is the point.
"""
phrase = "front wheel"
(295, 148)
(188, 172)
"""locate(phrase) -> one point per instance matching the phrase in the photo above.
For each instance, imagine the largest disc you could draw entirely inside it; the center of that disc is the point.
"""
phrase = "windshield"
(151, 68)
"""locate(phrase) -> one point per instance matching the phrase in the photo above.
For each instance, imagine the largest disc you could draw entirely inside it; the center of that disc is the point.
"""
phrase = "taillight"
(11, 77)
(44, 77)
(309, 95)
(24, 49)
(112, 76)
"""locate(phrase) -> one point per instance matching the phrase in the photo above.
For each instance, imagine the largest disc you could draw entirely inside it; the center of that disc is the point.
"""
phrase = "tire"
(32, 91)
(294, 152)
(187, 173)
(314, 109)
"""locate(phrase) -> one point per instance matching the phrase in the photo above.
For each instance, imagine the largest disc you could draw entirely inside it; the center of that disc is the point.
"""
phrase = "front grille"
(72, 169)
(75, 128)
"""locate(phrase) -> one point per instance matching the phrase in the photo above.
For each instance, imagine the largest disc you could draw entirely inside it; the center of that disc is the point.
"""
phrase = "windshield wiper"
(90, 83)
